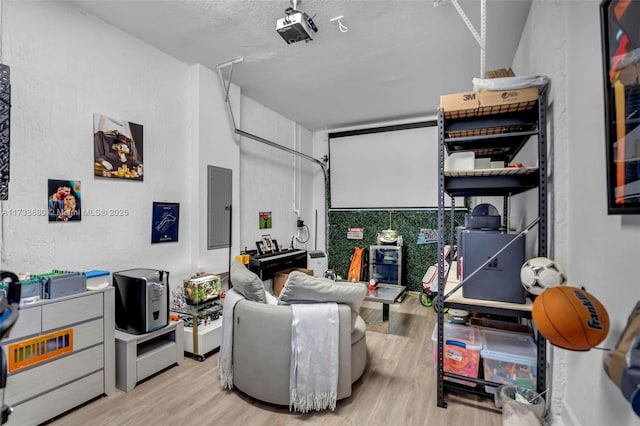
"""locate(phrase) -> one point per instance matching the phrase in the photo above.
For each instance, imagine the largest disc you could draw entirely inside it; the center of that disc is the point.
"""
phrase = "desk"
(266, 265)
(386, 294)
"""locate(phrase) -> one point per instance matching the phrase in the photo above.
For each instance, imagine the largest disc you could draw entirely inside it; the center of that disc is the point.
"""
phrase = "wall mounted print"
(620, 32)
(265, 220)
(166, 217)
(118, 148)
(64, 200)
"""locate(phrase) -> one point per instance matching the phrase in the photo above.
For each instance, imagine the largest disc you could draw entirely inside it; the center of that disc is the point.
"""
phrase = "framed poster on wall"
(165, 222)
(117, 148)
(620, 33)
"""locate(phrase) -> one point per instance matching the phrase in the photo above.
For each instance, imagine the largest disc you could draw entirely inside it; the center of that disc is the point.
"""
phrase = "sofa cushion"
(301, 288)
(247, 283)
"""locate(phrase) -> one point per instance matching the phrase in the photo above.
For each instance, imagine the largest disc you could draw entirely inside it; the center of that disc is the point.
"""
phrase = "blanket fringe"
(313, 402)
(226, 378)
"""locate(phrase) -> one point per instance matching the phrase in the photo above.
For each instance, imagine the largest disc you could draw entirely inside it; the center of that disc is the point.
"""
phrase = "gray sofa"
(262, 350)
(262, 341)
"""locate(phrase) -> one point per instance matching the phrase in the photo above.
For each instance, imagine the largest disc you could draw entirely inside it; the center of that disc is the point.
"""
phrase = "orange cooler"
(462, 346)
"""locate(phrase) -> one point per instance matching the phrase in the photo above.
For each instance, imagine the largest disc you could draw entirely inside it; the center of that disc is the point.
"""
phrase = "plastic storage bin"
(462, 345)
(509, 358)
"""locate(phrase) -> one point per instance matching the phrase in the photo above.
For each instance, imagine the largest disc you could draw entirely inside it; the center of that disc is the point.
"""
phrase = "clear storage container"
(461, 350)
(509, 358)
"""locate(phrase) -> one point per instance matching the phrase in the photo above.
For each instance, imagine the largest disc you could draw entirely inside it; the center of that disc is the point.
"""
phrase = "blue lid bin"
(509, 358)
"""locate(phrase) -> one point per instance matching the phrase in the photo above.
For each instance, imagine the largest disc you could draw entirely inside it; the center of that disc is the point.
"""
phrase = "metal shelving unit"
(498, 136)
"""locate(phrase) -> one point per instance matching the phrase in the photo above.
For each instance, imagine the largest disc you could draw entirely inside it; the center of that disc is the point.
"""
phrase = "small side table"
(138, 356)
(203, 338)
(386, 294)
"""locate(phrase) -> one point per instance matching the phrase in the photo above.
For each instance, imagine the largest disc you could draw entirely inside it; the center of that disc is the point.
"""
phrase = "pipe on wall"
(225, 86)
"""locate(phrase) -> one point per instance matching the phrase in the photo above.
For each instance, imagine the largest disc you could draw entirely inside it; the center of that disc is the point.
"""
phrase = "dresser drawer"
(61, 314)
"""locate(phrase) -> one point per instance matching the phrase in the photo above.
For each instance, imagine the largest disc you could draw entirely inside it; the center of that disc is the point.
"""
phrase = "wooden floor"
(397, 387)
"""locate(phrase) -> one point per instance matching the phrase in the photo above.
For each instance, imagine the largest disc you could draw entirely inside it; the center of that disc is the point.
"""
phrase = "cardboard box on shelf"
(469, 104)
(280, 278)
(629, 75)
(499, 73)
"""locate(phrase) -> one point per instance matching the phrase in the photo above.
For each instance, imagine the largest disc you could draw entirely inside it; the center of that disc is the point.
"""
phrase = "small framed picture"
(275, 245)
(64, 200)
(260, 247)
(268, 243)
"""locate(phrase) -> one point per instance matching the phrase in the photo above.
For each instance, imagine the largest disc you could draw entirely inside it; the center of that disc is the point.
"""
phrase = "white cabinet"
(138, 356)
(42, 390)
(202, 339)
(203, 328)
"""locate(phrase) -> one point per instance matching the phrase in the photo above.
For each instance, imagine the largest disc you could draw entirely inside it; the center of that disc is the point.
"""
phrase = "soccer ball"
(540, 273)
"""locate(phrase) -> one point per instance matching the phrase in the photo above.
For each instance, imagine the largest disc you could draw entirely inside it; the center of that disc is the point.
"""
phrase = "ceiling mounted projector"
(296, 26)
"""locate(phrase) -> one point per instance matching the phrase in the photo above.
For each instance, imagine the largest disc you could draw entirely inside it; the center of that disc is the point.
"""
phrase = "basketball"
(570, 318)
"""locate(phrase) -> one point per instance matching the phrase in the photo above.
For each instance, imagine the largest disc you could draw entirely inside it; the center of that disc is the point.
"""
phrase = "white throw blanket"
(225, 359)
(314, 357)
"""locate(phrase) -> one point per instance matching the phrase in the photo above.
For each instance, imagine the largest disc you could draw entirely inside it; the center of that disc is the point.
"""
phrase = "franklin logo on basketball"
(594, 322)
(570, 318)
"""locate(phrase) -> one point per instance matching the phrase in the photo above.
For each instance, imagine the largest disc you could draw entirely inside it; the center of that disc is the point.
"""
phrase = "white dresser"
(42, 391)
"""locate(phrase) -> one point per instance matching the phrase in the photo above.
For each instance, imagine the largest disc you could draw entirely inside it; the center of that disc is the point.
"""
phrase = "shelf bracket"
(480, 38)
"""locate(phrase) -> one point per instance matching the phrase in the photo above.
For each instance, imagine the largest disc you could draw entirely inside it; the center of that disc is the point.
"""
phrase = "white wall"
(562, 40)
(213, 144)
(65, 66)
(270, 178)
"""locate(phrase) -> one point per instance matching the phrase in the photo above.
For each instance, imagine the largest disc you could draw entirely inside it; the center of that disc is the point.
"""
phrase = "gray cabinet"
(219, 197)
(138, 356)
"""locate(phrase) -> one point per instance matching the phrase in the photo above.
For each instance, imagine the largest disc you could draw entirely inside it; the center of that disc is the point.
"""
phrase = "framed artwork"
(164, 226)
(117, 148)
(265, 221)
(64, 199)
(275, 245)
(620, 33)
(260, 247)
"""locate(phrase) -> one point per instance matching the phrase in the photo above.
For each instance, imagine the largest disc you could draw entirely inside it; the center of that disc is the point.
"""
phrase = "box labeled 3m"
(471, 104)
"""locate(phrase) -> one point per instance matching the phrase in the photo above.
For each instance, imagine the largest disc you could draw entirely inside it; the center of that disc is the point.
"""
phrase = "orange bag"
(359, 265)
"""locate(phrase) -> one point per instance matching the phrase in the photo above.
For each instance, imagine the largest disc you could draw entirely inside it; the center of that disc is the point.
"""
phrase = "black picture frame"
(260, 247)
(620, 36)
(275, 245)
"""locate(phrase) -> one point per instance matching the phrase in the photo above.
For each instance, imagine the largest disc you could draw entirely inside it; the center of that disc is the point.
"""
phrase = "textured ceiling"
(394, 62)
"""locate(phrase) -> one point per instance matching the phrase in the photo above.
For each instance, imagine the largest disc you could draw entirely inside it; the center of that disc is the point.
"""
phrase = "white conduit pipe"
(226, 86)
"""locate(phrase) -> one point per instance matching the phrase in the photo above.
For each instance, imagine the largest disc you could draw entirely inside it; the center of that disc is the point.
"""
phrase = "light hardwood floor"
(397, 388)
